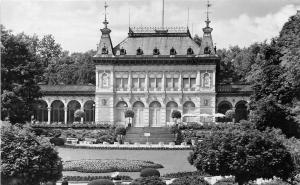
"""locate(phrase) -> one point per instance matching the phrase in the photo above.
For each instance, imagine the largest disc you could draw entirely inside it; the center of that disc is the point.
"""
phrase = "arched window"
(139, 51)
(156, 51)
(104, 50)
(138, 108)
(190, 51)
(171, 106)
(189, 108)
(73, 105)
(154, 114)
(41, 111)
(89, 109)
(57, 111)
(241, 111)
(122, 51)
(173, 51)
(120, 111)
(207, 50)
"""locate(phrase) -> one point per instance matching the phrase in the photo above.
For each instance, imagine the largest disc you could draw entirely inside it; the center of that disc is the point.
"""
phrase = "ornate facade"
(152, 72)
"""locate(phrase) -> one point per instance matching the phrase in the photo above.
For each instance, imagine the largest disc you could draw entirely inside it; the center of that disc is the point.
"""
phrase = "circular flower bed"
(108, 165)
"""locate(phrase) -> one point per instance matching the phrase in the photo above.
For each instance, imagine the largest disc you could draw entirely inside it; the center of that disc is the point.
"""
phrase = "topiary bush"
(190, 180)
(120, 130)
(101, 182)
(79, 113)
(148, 181)
(149, 172)
(57, 141)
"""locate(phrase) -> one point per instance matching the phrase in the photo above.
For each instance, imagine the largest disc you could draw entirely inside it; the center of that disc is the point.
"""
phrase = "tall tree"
(276, 81)
(21, 70)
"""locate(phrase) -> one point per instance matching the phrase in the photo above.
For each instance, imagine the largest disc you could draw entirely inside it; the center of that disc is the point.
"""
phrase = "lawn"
(172, 160)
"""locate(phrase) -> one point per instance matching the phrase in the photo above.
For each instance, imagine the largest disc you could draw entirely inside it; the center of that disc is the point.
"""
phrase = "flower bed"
(108, 165)
(100, 125)
(90, 178)
(128, 147)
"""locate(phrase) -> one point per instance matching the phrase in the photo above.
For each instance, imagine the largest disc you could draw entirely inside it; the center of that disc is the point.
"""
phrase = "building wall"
(154, 87)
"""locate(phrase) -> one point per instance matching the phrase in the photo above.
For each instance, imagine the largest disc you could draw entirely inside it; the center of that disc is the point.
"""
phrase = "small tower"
(207, 47)
(105, 48)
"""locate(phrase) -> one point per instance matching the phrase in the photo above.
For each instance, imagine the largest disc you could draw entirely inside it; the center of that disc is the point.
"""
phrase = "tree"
(129, 114)
(244, 152)
(230, 114)
(27, 158)
(21, 70)
(176, 115)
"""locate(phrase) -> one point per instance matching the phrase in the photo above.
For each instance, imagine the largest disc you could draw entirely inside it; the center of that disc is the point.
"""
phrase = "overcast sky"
(75, 23)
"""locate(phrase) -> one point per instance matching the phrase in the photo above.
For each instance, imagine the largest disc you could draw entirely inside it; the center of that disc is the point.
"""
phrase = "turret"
(105, 48)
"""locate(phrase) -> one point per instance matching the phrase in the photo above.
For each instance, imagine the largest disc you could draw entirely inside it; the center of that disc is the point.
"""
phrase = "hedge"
(90, 178)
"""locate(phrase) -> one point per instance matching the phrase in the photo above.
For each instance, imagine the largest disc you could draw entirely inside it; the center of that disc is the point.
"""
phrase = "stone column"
(66, 115)
(180, 82)
(147, 81)
(97, 106)
(198, 81)
(129, 80)
(163, 81)
(97, 78)
(163, 115)
(49, 115)
(112, 80)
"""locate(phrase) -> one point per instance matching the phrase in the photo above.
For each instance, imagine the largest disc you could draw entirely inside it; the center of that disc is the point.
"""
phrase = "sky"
(75, 24)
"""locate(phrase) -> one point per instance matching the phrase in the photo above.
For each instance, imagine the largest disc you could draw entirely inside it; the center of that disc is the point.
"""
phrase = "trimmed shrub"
(230, 114)
(190, 180)
(79, 113)
(57, 141)
(148, 181)
(120, 130)
(101, 182)
(149, 172)
(106, 138)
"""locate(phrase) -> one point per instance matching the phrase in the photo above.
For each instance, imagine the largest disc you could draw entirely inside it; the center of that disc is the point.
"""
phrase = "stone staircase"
(157, 134)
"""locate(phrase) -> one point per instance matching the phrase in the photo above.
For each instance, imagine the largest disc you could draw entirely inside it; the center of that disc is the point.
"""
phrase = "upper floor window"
(173, 51)
(104, 50)
(122, 51)
(207, 50)
(156, 51)
(138, 83)
(190, 51)
(189, 83)
(155, 83)
(139, 51)
(122, 83)
(172, 83)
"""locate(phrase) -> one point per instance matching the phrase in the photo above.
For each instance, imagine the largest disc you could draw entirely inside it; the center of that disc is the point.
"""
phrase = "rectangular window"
(159, 83)
(125, 83)
(169, 82)
(135, 83)
(186, 83)
(142, 83)
(176, 83)
(193, 82)
(119, 83)
(152, 82)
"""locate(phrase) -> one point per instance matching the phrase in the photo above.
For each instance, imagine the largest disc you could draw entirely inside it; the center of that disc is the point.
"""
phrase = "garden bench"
(72, 140)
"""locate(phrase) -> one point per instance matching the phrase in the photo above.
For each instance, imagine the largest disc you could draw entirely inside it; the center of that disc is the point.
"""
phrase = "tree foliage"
(244, 152)
(28, 158)
(176, 114)
(276, 81)
(21, 70)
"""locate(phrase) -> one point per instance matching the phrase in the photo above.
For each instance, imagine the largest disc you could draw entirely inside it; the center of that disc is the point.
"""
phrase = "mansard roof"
(148, 39)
